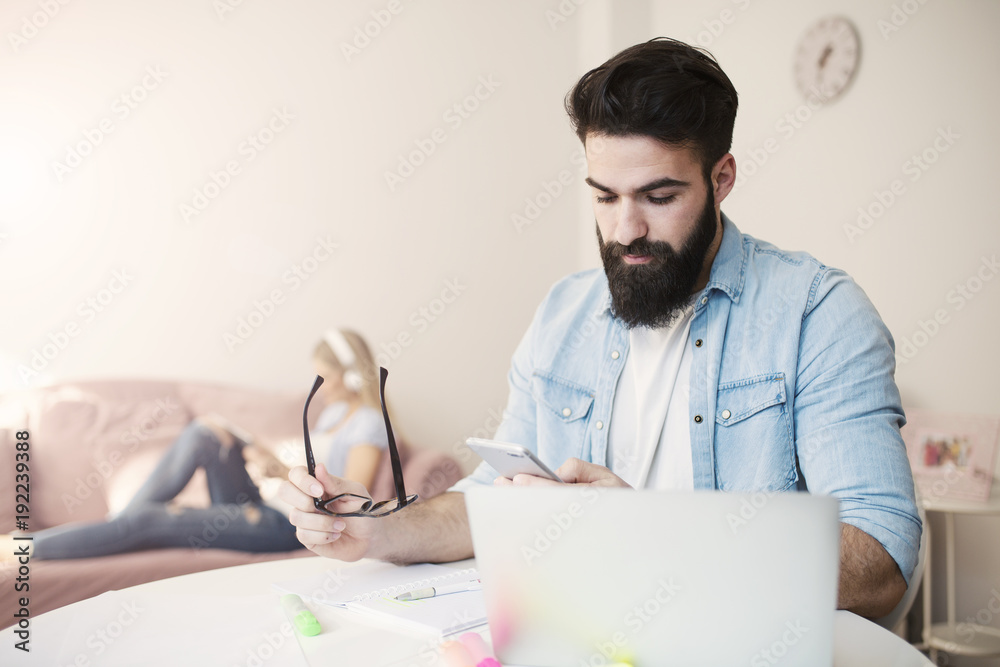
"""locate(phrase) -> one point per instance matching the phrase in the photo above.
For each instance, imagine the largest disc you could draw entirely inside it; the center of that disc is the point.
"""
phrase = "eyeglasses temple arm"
(310, 460)
(397, 468)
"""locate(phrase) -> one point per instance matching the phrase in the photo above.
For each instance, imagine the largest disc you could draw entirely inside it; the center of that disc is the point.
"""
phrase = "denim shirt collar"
(728, 269)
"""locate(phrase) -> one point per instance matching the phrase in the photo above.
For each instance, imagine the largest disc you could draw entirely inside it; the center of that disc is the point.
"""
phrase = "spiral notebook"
(371, 588)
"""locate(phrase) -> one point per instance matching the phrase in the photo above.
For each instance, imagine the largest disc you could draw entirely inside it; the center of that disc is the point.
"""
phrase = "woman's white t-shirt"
(335, 434)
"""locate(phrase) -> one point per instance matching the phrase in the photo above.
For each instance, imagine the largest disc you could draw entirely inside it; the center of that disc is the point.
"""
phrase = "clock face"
(827, 58)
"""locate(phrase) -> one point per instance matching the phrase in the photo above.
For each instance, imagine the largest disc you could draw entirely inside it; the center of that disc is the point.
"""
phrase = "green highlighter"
(300, 616)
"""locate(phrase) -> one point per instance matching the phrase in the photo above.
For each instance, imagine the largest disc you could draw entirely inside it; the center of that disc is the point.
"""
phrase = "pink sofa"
(93, 443)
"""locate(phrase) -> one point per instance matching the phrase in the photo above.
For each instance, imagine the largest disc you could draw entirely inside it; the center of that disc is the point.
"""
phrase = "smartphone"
(509, 459)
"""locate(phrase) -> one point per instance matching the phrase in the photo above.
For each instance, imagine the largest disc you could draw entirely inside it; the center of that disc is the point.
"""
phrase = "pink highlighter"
(480, 653)
(454, 654)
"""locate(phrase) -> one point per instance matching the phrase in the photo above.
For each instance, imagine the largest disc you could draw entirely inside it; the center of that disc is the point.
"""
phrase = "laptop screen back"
(587, 576)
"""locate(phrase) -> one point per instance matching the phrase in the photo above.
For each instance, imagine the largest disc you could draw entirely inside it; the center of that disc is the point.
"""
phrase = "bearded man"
(700, 358)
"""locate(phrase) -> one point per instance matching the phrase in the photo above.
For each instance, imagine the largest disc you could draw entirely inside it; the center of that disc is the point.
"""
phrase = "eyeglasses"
(369, 507)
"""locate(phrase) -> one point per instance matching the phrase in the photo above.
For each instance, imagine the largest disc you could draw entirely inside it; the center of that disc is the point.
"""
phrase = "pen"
(300, 616)
(434, 591)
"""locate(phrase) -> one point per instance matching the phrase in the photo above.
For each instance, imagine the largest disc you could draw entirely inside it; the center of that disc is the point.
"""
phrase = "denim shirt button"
(697, 343)
(615, 354)
(726, 414)
(704, 300)
(697, 419)
(566, 412)
(599, 425)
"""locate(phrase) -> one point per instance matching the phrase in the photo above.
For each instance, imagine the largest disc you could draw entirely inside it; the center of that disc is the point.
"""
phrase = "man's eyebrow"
(665, 182)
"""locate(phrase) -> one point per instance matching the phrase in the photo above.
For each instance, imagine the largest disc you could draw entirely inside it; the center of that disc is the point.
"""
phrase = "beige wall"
(430, 267)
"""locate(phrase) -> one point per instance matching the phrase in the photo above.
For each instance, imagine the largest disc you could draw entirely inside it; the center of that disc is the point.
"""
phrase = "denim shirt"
(791, 387)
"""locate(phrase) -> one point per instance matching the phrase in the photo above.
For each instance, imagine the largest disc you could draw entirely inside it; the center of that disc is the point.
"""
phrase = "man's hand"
(333, 537)
(573, 471)
(435, 531)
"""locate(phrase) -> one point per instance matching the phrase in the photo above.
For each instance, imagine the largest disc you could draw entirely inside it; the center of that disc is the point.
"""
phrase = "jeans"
(237, 518)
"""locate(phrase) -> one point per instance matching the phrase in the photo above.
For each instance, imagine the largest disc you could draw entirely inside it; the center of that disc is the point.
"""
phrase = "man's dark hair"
(664, 89)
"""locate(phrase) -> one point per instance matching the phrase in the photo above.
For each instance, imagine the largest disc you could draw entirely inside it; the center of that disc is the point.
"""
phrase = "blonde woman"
(349, 438)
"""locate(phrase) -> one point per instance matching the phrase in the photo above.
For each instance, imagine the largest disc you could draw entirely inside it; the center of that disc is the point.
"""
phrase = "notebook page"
(350, 582)
(444, 614)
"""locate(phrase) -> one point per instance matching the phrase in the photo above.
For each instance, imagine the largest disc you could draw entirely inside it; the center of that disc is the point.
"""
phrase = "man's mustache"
(660, 250)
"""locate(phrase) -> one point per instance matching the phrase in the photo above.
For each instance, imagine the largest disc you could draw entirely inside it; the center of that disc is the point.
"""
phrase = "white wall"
(322, 176)
(937, 71)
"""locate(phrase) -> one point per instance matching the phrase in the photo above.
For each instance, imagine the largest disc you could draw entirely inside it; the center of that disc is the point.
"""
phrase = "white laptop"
(584, 576)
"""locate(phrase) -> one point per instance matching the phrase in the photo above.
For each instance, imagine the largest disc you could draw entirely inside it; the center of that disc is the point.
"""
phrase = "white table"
(350, 640)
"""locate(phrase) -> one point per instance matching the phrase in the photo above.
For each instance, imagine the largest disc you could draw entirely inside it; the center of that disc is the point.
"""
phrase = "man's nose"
(631, 224)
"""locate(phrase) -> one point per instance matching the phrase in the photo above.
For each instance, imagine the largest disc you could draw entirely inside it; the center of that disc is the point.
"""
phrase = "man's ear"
(723, 177)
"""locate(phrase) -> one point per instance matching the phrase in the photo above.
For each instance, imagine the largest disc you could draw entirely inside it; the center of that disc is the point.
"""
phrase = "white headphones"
(345, 355)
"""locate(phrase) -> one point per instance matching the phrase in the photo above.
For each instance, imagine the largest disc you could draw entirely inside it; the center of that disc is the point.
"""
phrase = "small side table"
(973, 640)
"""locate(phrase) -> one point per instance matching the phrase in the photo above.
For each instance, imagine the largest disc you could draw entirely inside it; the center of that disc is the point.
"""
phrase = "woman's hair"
(363, 364)
(663, 89)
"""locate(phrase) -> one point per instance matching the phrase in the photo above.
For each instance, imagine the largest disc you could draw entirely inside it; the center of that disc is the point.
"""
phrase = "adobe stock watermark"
(615, 647)
(33, 24)
(778, 649)
(750, 506)
(270, 644)
(982, 619)
(562, 12)
(225, 7)
(959, 297)
(786, 127)
(914, 168)
(549, 191)
(247, 152)
(420, 320)
(454, 117)
(494, 417)
(101, 639)
(88, 310)
(714, 27)
(294, 277)
(121, 108)
(461, 454)
(899, 16)
(225, 513)
(778, 309)
(365, 34)
(560, 523)
(950, 476)
(129, 441)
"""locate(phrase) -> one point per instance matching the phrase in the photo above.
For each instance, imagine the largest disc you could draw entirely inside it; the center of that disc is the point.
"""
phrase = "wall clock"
(827, 58)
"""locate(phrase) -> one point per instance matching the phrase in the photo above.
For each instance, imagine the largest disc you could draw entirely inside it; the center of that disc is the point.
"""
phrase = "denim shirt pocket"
(562, 411)
(753, 436)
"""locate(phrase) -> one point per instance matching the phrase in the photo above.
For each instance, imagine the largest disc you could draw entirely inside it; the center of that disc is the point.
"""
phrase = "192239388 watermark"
(22, 548)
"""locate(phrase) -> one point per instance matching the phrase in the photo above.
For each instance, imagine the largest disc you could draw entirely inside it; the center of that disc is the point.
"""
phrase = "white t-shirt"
(649, 444)
(364, 426)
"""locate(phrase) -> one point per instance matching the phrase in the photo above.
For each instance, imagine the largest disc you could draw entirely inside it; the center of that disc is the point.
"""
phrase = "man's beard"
(655, 294)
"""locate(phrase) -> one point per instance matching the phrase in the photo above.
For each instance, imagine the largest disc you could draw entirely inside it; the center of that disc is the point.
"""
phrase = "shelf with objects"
(953, 637)
(953, 457)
